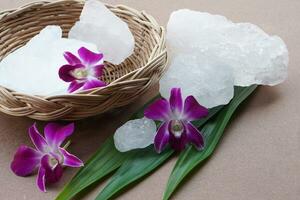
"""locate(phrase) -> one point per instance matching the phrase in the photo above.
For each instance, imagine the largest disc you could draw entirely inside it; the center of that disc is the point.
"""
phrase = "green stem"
(67, 144)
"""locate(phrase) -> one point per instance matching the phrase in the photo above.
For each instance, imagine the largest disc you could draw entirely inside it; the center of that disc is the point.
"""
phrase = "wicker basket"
(126, 81)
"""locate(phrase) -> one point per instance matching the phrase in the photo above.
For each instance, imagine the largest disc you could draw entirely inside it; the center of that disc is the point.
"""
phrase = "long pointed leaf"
(104, 161)
(140, 164)
(213, 130)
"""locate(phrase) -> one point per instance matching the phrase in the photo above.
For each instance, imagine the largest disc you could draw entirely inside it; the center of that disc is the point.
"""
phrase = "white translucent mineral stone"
(220, 49)
(33, 68)
(100, 26)
(210, 81)
(135, 134)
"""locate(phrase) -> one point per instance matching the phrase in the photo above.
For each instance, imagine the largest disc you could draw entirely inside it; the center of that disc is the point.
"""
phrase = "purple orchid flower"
(48, 157)
(82, 72)
(176, 116)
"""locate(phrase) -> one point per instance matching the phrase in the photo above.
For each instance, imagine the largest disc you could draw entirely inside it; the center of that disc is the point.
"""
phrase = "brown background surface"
(258, 157)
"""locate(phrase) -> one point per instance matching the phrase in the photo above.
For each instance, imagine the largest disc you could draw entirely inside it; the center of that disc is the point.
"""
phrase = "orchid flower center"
(53, 162)
(177, 128)
(55, 158)
(80, 73)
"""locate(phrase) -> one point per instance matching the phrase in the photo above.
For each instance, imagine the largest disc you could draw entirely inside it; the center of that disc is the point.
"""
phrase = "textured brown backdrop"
(259, 156)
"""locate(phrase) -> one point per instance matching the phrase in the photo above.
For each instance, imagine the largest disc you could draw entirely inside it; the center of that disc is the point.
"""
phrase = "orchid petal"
(37, 139)
(97, 70)
(70, 160)
(193, 110)
(71, 58)
(25, 161)
(159, 110)
(194, 136)
(162, 137)
(75, 85)
(178, 143)
(176, 101)
(65, 72)
(93, 83)
(41, 179)
(45, 162)
(55, 175)
(55, 133)
(88, 57)
(52, 173)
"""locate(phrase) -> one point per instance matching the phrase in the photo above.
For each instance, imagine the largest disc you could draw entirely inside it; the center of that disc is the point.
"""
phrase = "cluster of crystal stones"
(209, 54)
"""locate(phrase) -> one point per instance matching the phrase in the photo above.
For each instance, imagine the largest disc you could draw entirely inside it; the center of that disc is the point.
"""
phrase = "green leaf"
(213, 130)
(141, 163)
(104, 161)
(135, 167)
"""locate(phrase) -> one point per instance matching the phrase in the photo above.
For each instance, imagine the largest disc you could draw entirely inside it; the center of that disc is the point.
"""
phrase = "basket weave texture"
(126, 81)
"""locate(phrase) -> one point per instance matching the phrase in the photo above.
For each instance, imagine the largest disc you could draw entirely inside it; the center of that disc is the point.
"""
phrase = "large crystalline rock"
(33, 68)
(256, 58)
(209, 81)
(252, 56)
(100, 26)
(135, 134)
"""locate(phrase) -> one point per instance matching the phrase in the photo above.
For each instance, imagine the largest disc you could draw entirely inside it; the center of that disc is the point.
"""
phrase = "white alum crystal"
(33, 68)
(241, 52)
(100, 26)
(135, 134)
(210, 82)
